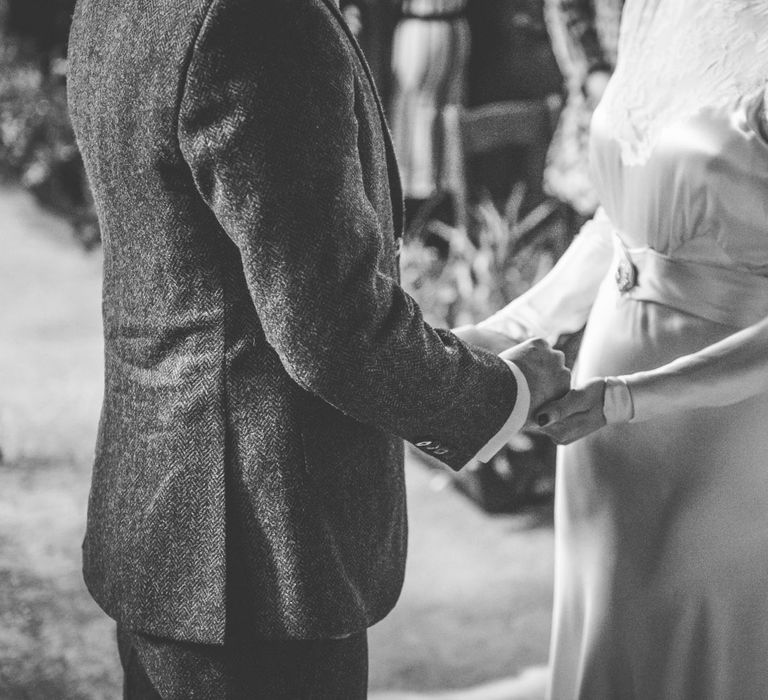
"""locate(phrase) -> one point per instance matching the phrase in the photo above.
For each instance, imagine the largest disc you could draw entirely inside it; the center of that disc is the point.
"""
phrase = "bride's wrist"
(486, 338)
(509, 329)
(618, 406)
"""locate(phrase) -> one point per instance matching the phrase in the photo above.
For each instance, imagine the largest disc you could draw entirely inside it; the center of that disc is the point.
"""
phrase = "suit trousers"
(244, 669)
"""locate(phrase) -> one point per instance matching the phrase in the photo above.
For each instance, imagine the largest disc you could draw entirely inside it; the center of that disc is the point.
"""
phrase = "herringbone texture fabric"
(244, 668)
(262, 364)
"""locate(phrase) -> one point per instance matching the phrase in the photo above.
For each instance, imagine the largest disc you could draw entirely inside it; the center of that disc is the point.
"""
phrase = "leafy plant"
(37, 145)
(462, 277)
(459, 277)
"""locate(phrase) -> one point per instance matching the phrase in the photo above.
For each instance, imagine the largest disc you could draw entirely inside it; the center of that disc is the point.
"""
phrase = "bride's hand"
(484, 338)
(576, 415)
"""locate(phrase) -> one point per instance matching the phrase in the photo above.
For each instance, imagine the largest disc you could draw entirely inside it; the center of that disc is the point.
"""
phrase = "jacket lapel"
(395, 186)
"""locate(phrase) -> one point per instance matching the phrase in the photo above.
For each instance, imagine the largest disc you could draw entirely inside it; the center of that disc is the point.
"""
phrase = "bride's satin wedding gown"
(661, 588)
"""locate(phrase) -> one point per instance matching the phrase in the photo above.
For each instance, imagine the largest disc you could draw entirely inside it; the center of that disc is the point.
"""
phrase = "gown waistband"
(724, 295)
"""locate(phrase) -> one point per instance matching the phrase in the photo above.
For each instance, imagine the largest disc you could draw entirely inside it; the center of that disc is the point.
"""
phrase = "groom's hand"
(544, 370)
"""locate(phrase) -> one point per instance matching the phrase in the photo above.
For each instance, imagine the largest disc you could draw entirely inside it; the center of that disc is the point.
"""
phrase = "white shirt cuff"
(516, 419)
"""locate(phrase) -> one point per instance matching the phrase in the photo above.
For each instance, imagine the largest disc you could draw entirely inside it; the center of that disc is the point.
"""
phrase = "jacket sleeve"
(269, 126)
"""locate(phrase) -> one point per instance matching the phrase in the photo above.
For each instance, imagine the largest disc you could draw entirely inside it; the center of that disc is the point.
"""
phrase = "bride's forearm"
(561, 301)
(729, 371)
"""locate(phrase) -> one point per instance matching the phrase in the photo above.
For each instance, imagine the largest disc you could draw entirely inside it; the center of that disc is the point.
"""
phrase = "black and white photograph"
(383, 349)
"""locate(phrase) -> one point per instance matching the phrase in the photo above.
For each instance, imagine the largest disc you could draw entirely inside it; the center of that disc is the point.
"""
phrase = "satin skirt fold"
(661, 582)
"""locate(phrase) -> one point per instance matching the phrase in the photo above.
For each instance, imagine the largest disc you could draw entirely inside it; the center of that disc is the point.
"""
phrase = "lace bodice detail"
(679, 145)
(677, 57)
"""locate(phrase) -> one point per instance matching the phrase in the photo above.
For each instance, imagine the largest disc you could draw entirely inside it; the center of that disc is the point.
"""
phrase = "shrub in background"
(37, 146)
(460, 278)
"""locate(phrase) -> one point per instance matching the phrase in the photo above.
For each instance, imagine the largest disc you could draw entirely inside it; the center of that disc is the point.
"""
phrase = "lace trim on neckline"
(678, 57)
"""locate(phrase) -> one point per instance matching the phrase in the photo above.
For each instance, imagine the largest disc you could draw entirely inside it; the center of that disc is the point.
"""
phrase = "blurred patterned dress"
(584, 36)
(429, 58)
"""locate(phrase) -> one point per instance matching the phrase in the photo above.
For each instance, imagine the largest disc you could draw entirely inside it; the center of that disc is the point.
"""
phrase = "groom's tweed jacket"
(262, 363)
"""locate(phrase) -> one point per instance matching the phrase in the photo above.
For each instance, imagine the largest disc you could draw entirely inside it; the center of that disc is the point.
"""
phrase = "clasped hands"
(558, 411)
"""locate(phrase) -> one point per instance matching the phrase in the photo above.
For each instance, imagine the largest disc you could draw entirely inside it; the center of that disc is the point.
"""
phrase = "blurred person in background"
(511, 65)
(661, 515)
(584, 37)
(371, 22)
(451, 54)
(430, 50)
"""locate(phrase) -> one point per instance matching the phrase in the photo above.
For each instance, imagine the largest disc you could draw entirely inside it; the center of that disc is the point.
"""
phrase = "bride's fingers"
(577, 414)
(585, 398)
(575, 427)
(575, 401)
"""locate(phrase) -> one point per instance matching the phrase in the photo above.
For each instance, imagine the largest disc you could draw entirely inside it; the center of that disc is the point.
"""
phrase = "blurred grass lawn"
(478, 589)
